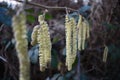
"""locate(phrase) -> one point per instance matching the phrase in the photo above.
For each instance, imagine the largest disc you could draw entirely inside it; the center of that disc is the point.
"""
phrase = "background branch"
(47, 7)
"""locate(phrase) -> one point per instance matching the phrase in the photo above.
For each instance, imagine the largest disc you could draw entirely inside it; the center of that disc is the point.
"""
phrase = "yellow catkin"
(84, 35)
(80, 27)
(44, 44)
(34, 35)
(68, 42)
(20, 34)
(83, 32)
(74, 39)
(105, 54)
(41, 50)
(71, 41)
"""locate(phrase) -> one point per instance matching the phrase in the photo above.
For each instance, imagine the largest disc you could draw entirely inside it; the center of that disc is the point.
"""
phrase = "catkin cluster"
(72, 35)
(83, 32)
(41, 36)
(71, 41)
(19, 29)
(105, 54)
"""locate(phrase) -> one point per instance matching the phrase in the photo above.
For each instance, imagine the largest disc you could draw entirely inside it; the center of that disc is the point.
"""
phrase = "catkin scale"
(19, 29)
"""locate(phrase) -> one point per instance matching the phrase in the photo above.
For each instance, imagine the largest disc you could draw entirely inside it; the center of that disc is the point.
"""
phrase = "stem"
(78, 67)
(47, 7)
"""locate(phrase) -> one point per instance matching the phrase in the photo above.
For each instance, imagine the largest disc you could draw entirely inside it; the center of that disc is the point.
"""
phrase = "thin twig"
(111, 12)
(78, 66)
(47, 7)
(89, 70)
(1, 27)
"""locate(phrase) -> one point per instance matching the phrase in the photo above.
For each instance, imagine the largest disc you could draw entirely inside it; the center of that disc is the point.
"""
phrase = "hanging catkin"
(34, 35)
(80, 30)
(74, 39)
(71, 41)
(105, 54)
(68, 43)
(84, 35)
(83, 32)
(19, 29)
(40, 41)
(44, 44)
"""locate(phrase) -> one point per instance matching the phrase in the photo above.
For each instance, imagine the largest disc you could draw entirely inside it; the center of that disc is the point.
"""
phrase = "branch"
(78, 66)
(47, 7)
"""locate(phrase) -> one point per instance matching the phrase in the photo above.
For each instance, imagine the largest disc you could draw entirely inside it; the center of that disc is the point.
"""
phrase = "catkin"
(68, 42)
(71, 41)
(19, 29)
(41, 50)
(44, 44)
(105, 54)
(34, 35)
(84, 35)
(80, 30)
(74, 39)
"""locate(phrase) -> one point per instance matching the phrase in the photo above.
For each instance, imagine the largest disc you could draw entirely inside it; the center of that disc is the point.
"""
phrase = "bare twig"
(78, 66)
(3, 59)
(1, 27)
(111, 12)
(89, 70)
(47, 7)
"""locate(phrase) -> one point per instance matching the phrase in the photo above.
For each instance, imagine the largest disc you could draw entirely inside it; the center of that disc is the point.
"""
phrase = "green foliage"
(30, 10)
(55, 40)
(30, 18)
(48, 16)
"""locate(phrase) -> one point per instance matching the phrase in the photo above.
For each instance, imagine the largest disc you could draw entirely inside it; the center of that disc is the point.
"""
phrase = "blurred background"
(104, 19)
